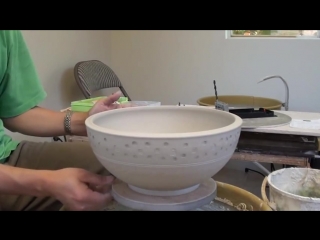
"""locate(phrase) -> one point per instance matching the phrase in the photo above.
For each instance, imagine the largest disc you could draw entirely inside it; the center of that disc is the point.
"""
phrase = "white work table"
(283, 129)
(286, 129)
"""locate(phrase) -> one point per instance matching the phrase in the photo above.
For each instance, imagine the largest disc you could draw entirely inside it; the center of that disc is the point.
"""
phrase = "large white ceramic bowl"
(164, 150)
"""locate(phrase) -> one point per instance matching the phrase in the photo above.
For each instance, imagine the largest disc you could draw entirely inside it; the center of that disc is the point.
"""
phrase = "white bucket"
(293, 189)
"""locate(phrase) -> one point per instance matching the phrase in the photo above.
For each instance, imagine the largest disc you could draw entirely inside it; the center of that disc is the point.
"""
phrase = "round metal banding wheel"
(204, 194)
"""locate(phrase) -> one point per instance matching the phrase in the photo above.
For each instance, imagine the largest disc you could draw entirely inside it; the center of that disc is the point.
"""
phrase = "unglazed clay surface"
(164, 148)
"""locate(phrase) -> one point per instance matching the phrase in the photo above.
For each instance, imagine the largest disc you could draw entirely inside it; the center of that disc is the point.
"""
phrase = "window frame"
(229, 36)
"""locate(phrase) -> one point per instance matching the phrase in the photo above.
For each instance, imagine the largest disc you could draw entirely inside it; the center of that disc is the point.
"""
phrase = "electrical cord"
(57, 139)
(248, 169)
(272, 168)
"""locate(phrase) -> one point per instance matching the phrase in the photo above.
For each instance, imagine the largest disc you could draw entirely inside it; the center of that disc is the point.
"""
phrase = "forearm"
(42, 122)
(20, 181)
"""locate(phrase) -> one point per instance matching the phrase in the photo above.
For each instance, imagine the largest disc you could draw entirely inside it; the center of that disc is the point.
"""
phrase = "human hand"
(80, 190)
(107, 103)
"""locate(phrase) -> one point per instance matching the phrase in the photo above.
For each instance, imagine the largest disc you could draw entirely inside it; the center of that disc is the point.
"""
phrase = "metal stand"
(285, 105)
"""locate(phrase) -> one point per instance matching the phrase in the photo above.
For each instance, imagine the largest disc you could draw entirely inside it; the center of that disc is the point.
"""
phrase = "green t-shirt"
(20, 88)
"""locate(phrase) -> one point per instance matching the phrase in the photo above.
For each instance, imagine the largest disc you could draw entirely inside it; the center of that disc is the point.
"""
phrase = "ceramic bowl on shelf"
(164, 150)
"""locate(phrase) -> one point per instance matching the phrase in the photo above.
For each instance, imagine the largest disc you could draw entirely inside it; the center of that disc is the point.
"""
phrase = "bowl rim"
(89, 122)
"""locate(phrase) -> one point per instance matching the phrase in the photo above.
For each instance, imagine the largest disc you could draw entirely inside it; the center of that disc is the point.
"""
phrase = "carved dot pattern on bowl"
(173, 152)
(195, 150)
(166, 151)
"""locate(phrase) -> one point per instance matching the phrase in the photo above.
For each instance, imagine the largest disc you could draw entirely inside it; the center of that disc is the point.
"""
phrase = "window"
(273, 33)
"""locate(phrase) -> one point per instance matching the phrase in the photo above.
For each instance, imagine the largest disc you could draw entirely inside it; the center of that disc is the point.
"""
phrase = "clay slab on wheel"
(280, 120)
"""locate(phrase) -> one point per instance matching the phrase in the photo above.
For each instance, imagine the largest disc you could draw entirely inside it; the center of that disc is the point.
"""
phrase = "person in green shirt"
(44, 175)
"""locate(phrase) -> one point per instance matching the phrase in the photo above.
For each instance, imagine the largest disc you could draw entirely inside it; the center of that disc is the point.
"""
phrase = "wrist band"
(67, 122)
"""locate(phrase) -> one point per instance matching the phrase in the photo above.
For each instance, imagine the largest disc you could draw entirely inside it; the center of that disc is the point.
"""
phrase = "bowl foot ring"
(202, 195)
(163, 193)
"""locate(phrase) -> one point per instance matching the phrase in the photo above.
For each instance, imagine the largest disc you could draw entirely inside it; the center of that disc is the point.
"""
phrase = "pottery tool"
(253, 118)
(244, 112)
(218, 104)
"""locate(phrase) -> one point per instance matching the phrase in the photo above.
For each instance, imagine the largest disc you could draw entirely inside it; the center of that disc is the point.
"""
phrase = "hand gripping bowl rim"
(89, 122)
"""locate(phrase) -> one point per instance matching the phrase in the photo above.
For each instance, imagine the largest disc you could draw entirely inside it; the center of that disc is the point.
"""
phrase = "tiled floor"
(249, 181)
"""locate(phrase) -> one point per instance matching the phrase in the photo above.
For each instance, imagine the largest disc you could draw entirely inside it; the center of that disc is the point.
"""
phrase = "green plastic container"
(86, 104)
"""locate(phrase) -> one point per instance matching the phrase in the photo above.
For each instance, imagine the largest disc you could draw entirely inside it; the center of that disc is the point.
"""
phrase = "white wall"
(173, 66)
